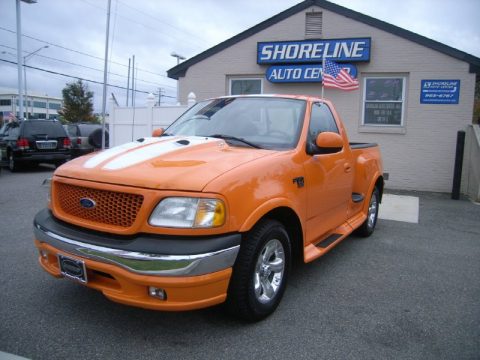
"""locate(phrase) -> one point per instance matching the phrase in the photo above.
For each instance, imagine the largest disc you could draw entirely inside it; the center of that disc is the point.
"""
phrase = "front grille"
(111, 207)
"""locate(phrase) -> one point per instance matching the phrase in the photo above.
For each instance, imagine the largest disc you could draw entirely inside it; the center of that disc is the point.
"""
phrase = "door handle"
(347, 167)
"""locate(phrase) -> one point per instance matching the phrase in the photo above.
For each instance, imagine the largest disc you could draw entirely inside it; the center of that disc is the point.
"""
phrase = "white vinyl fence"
(471, 163)
(127, 124)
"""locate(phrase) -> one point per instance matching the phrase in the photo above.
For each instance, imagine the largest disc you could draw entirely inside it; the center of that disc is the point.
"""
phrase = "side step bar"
(328, 241)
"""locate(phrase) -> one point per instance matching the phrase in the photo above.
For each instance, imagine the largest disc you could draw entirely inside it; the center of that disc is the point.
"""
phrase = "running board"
(328, 241)
(357, 198)
(315, 250)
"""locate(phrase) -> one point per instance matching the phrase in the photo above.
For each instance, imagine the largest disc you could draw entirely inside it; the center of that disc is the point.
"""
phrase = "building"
(414, 95)
(36, 107)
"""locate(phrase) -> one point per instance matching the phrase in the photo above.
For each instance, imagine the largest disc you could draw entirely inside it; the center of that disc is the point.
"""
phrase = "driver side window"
(321, 120)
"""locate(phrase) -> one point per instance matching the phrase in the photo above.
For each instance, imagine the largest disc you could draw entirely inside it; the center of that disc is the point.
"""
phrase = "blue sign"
(440, 92)
(301, 73)
(312, 51)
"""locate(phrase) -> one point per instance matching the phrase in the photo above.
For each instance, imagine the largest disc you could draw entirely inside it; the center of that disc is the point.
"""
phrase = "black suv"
(33, 142)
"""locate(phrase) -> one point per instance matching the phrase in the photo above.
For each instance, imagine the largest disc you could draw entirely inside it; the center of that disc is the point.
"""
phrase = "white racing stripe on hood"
(110, 153)
(152, 151)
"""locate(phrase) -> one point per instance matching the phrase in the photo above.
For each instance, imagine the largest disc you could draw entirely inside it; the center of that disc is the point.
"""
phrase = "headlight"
(184, 212)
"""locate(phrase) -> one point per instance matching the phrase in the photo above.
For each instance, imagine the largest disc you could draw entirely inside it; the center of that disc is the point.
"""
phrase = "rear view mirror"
(158, 132)
(329, 142)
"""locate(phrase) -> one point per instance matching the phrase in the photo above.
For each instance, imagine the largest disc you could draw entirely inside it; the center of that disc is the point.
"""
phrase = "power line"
(78, 77)
(145, 25)
(78, 52)
(162, 21)
(87, 67)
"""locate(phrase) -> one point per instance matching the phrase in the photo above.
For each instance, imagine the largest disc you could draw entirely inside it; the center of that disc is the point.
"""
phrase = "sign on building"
(301, 73)
(440, 92)
(313, 51)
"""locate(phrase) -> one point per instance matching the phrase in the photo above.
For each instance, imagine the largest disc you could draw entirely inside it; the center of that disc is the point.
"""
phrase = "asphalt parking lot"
(411, 291)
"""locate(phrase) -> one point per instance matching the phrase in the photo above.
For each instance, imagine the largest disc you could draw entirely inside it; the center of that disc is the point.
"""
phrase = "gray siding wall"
(418, 157)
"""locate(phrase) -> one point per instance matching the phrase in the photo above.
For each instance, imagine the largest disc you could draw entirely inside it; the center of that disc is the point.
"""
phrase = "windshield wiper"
(234, 138)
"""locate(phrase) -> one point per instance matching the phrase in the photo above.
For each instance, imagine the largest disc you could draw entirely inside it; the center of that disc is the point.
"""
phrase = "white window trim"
(244, 78)
(384, 126)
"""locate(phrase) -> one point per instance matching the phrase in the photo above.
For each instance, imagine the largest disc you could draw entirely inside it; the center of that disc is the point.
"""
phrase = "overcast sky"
(74, 31)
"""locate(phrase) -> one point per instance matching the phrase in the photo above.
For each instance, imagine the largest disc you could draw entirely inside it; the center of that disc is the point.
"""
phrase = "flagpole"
(323, 74)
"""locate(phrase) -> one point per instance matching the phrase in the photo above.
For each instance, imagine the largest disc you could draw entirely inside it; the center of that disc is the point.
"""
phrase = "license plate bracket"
(72, 268)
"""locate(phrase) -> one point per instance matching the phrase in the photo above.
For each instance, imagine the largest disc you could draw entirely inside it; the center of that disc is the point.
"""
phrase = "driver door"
(329, 179)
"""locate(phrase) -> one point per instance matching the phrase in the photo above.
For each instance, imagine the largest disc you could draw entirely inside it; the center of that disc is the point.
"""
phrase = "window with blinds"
(313, 25)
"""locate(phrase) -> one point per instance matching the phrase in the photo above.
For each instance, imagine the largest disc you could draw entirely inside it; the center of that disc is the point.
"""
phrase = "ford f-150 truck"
(214, 208)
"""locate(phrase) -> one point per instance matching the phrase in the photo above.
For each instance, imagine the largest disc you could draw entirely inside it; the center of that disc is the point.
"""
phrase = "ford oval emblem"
(87, 203)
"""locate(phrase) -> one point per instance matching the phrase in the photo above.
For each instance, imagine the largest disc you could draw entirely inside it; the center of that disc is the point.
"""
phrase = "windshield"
(38, 127)
(270, 123)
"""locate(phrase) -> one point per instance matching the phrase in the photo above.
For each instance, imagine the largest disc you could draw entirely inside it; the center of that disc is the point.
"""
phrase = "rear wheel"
(368, 226)
(260, 273)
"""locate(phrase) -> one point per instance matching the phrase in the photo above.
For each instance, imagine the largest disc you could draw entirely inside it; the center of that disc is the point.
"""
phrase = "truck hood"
(172, 163)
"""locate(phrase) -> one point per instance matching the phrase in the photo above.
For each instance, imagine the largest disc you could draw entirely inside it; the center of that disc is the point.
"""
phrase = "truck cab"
(215, 208)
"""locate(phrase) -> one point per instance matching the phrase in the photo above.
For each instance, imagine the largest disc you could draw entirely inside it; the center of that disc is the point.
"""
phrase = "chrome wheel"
(269, 271)
(372, 211)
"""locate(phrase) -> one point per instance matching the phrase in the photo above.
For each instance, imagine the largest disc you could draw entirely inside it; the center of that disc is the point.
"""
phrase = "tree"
(77, 103)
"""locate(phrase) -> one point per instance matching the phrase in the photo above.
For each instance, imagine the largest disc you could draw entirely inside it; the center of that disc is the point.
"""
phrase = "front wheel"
(368, 226)
(12, 163)
(260, 273)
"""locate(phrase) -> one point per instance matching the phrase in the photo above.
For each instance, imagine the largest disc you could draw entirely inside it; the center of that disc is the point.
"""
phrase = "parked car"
(213, 210)
(85, 138)
(33, 142)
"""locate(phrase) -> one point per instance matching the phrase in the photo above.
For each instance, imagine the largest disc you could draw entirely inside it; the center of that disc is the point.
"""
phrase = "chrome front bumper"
(142, 262)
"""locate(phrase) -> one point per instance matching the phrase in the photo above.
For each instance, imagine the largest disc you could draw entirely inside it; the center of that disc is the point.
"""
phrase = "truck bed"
(358, 145)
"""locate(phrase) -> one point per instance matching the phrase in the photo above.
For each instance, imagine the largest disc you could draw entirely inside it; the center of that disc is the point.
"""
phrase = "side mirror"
(329, 142)
(158, 132)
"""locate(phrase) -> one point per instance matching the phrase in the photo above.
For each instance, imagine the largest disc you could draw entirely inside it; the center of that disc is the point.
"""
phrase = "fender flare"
(370, 190)
(264, 209)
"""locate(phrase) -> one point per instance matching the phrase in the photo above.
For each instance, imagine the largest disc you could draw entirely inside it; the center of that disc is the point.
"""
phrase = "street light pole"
(179, 57)
(104, 100)
(19, 55)
(19, 60)
(25, 58)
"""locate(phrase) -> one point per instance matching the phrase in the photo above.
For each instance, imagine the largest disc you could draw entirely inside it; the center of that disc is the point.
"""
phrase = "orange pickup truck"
(213, 209)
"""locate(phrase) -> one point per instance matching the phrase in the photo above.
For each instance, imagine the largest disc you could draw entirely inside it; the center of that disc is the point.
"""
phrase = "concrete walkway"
(399, 208)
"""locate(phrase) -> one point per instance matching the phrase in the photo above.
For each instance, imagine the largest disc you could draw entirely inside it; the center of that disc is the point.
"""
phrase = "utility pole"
(179, 58)
(104, 105)
(128, 80)
(19, 55)
(25, 58)
(160, 94)
(133, 79)
(19, 60)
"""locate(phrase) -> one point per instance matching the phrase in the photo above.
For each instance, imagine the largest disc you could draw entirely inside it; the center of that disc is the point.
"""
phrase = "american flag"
(336, 77)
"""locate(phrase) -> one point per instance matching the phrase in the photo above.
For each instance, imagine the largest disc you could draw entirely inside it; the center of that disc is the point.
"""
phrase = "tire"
(260, 272)
(13, 165)
(368, 226)
(95, 139)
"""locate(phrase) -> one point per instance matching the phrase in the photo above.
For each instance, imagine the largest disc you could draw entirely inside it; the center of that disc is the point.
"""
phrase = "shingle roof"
(181, 69)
